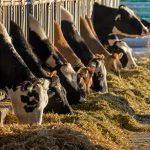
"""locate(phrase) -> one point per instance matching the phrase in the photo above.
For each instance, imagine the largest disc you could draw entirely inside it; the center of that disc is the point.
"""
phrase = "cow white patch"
(101, 72)
(29, 100)
(35, 26)
(123, 45)
(130, 11)
(118, 17)
(66, 15)
(111, 42)
(69, 73)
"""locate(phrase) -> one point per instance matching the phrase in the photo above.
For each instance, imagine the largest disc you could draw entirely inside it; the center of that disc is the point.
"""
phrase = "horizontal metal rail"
(46, 11)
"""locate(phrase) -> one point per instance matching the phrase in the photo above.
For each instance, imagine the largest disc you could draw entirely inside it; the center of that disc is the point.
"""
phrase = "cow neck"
(25, 51)
(114, 49)
(76, 42)
(13, 69)
(78, 67)
(93, 43)
(63, 59)
(103, 19)
(43, 49)
(89, 21)
(63, 47)
(39, 45)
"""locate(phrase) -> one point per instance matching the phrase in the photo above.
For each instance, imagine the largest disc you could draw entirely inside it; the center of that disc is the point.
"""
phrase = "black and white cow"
(28, 93)
(121, 21)
(78, 45)
(114, 45)
(112, 61)
(48, 56)
(58, 102)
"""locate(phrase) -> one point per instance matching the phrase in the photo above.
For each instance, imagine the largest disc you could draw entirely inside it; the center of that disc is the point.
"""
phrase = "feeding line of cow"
(41, 76)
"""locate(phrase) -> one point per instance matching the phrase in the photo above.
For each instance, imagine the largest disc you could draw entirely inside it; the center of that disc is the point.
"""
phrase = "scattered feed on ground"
(101, 123)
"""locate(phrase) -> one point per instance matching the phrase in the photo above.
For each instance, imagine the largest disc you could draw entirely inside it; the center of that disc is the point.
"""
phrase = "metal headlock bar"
(46, 11)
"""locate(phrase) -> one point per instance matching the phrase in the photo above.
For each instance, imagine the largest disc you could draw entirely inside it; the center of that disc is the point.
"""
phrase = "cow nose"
(145, 31)
(118, 73)
(82, 100)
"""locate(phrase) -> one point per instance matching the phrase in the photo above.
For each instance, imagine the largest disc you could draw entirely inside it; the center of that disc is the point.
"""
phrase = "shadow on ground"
(54, 139)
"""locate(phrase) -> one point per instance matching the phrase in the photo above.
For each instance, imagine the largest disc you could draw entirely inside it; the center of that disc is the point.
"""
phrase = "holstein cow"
(28, 93)
(62, 45)
(57, 102)
(78, 45)
(85, 73)
(112, 61)
(114, 45)
(47, 55)
(121, 21)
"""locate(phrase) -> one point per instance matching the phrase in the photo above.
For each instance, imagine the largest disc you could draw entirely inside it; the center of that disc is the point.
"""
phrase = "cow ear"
(91, 70)
(100, 56)
(124, 11)
(115, 55)
(120, 55)
(122, 6)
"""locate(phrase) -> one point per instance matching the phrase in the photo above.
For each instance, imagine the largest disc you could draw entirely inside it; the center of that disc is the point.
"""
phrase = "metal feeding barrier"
(16, 10)
(46, 11)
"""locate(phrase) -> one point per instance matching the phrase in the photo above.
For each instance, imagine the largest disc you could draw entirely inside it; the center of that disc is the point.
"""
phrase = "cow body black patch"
(31, 99)
(30, 103)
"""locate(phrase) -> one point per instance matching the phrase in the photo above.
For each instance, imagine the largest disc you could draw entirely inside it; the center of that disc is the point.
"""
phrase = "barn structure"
(46, 11)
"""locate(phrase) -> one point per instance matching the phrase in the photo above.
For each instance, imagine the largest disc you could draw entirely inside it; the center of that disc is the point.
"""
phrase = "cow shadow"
(143, 119)
(47, 138)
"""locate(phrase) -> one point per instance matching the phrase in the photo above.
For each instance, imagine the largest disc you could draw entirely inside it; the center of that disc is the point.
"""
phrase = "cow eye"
(50, 92)
(100, 75)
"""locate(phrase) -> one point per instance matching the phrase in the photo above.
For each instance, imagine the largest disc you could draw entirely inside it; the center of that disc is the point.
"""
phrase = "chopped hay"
(101, 123)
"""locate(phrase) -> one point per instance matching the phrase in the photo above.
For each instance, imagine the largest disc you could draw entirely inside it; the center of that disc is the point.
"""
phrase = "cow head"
(127, 59)
(69, 79)
(121, 21)
(57, 102)
(47, 54)
(99, 77)
(85, 78)
(127, 24)
(115, 45)
(113, 63)
(29, 100)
